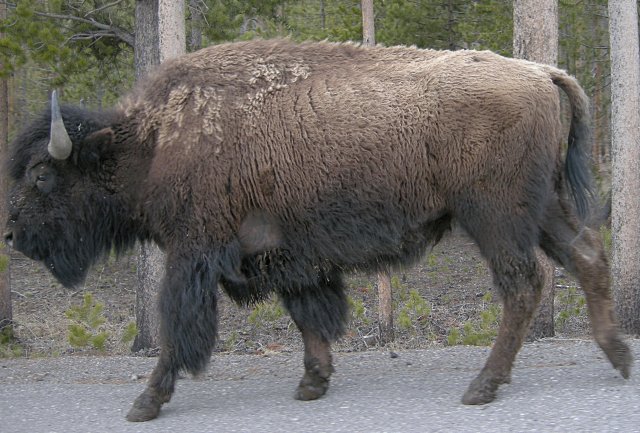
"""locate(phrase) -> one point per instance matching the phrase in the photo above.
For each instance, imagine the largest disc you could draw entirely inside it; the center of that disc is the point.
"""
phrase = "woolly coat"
(357, 151)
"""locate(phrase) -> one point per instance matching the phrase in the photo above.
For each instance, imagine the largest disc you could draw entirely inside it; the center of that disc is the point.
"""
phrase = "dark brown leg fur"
(317, 365)
(188, 319)
(320, 312)
(581, 252)
(159, 390)
(519, 306)
(506, 235)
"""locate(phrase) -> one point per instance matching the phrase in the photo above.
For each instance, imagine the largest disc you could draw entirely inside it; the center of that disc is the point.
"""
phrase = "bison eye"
(43, 178)
(43, 184)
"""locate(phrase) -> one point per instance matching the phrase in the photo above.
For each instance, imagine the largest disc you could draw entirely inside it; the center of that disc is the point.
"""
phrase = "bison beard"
(268, 166)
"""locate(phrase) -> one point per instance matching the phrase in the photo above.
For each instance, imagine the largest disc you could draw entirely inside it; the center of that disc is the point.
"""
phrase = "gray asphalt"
(557, 385)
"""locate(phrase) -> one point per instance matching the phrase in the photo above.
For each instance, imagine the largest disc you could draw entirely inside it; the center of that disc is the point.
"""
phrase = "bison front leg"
(521, 295)
(320, 313)
(317, 367)
(159, 390)
(187, 330)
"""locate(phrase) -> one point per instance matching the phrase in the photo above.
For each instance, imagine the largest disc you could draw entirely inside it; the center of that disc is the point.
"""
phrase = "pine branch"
(123, 35)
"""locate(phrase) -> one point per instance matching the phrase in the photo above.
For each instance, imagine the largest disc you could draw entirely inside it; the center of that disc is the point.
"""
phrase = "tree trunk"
(6, 316)
(385, 305)
(195, 40)
(535, 30)
(535, 38)
(625, 120)
(385, 308)
(323, 16)
(160, 34)
(146, 52)
(368, 26)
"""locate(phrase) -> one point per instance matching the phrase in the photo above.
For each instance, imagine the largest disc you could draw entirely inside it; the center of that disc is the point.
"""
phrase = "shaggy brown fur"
(270, 166)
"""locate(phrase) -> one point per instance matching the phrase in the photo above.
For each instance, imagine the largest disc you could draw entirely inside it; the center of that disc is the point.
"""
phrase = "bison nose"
(8, 238)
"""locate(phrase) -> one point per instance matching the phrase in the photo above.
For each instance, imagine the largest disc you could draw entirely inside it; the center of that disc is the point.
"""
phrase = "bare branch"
(199, 7)
(101, 8)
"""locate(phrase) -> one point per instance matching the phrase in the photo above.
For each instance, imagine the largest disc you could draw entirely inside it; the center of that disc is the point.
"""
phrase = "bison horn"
(59, 141)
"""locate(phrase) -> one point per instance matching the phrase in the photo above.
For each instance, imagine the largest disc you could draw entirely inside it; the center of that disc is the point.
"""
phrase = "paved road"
(558, 385)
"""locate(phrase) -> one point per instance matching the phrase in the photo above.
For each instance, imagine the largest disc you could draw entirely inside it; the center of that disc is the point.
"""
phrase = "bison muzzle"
(270, 166)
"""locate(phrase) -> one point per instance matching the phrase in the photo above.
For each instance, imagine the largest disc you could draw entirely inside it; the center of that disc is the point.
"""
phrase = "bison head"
(63, 208)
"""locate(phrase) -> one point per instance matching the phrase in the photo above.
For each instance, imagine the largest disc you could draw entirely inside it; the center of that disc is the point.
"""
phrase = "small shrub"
(87, 320)
(130, 332)
(4, 262)
(358, 309)
(395, 283)
(417, 304)
(453, 337)
(9, 347)
(268, 312)
(432, 260)
(570, 304)
(402, 294)
(404, 321)
(415, 308)
(98, 341)
(478, 332)
(605, 232)
(231, 341)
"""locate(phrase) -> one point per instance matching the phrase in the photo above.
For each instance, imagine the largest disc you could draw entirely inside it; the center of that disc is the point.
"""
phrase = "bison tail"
(578, 172)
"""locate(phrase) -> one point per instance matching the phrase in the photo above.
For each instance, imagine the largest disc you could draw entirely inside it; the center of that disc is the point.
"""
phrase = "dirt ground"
(446, 297)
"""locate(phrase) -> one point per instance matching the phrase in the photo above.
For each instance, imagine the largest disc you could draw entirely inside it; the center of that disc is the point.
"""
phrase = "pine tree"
(160, 35)
(535, 38)
(625, 223)
(6, 316)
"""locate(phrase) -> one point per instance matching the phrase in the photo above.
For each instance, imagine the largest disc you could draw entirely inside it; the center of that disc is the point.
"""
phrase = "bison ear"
(94, 146)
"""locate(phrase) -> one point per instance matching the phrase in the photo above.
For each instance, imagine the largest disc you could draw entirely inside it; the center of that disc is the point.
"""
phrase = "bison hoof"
(620, 356)
(311, 387)
(146, 407)
(478, 396)
(483, 389)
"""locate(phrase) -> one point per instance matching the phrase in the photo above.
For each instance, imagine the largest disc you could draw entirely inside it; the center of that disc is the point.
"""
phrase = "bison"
(270, 166)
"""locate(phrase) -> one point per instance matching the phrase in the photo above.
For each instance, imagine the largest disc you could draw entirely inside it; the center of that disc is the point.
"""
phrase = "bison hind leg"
(518, 309)
(508, 246)
(320, 312)
(580, 250)
(520, 290)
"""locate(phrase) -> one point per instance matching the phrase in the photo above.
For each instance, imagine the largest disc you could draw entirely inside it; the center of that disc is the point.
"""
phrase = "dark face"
(45, 225)
(61, 212)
